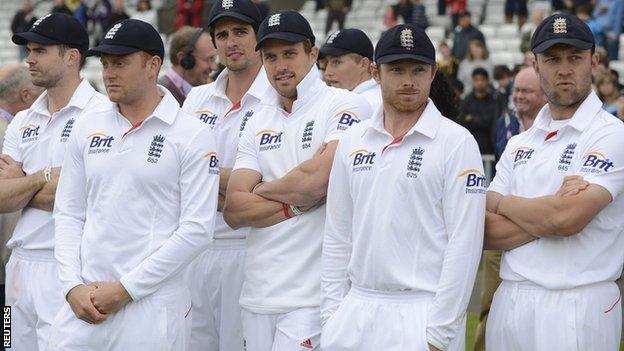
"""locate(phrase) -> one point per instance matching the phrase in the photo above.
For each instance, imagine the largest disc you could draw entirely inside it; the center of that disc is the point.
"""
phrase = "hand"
(572, 185)
(9, 168)
(433, 348)
(80, 302)
(109, 297)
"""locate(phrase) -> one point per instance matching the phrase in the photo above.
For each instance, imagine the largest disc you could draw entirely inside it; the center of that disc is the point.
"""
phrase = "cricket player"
(33, 151)
(555, 207)
(404, 226)
(349, 54)
(278, 185)
(216, 277)
(136, 204)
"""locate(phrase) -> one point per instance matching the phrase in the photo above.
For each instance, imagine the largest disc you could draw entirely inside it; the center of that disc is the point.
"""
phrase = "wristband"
(295, 210)
(47, 174)
(285, 209)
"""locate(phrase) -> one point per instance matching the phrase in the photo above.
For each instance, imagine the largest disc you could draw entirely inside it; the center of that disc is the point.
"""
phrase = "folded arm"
(500, 232)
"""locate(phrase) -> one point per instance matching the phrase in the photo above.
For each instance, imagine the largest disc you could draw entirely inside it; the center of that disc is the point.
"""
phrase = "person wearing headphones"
(193, 57)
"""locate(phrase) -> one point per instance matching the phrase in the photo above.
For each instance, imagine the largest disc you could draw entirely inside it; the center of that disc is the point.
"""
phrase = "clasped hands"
(93, 303)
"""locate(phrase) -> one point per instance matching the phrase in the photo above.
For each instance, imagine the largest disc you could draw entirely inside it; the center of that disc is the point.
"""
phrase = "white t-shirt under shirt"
(282, 264)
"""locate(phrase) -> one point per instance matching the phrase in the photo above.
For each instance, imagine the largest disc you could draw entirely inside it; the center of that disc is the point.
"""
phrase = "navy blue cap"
(55, 29)
(285, 25)
(243, 10)
(347, 41)
(128, 36)
(562, 28)
(404, 41)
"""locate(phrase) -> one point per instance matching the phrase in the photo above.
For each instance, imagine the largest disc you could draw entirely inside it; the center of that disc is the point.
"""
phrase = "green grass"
(471, 327)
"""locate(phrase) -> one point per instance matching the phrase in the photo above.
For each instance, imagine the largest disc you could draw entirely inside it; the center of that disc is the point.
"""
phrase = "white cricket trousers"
(298, 330)
(527, 317)
(370, 320)
(34, 293)
(215, 280)
(158, 322)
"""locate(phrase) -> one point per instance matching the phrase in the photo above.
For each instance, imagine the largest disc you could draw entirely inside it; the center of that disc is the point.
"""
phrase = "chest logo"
(415, 162)
(207, 117)
(522, 155)
(566, 157)
(363, 160)
(270, 139)
(347, 119)
(67, 130)
(30, 132)
(306, 139)
(100, 143)
(155, 149)
(596, 162)
(213, 159)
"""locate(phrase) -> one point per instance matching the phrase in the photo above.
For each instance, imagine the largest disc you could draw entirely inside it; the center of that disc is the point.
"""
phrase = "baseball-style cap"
(128, 36)
(347, 41)
(55, 29)
(562, 29)
(286, 25)
(404, 41)
(243, 10)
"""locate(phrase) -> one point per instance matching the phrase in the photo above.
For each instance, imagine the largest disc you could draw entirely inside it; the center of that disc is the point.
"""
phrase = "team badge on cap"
(274, 20)
(407, 39)
(38, 22)
(333, 36)
(111, 32)
(560, 26)
(227, 4)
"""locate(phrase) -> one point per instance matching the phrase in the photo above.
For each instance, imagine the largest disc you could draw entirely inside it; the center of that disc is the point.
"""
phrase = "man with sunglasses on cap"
(555, 207)
(33, 151)
(215, 278)
(135, 206)
(349, 54)
(405, 209)
(279, 183)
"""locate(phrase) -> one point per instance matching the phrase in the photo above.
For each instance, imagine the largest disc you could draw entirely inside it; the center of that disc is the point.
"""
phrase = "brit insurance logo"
(30, 132)
(207, 117)
(67, 130)
(306, 139)
(522, 155)
(596, 162)
(415, 162)
(270, 139)
(363, 160)
(213, 160)
(475, 181)
(566, 157)
(100, 143)
(155, 148)
(347, 119)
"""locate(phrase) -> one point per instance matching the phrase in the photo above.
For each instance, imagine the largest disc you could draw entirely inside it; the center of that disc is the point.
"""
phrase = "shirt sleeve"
(10, 145)
(337, 244)
(463, 205)
(350, 109)
(602, 163)
(247, 155)
(199, 185)
(189, 105)
(70, 207)
(502, 180)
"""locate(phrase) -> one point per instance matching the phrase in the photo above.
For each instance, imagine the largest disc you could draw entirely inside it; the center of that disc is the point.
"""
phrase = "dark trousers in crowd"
(335, 16)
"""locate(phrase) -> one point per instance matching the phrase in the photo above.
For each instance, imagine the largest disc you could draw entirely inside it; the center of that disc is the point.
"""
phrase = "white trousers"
(299, 330)
(526, 317)
(159, 322)
(34, 293)
(215, 280)
(373, 320)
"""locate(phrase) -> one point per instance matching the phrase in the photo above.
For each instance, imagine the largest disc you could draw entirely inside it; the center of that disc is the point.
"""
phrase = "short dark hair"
(178, 42)
(480, 71)
(501, 71)
(83, 57)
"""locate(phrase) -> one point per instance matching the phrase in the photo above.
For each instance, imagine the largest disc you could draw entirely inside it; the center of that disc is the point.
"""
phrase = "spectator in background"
(118, 13)
(445, 96)
(464, 34)
(620, 108)
(529, 59)
(516, 7)
(447, 64)
(609, 16)
(263, 7)
(480, 110)
(336, 12)
(22, 21)
(193, 58)
(419, 14)
(97, 20)
(457, 8)
(478, 57)
(607, 89)
(146, 13)
(404, 9)
(504, 81)
(61, 7)
(17, 93)
(527, 29)
(188, 13)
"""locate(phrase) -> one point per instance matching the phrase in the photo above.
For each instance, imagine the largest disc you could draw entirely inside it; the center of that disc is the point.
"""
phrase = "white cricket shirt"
(371, 91)
(591, 145)
(282, 263)
(406, 214)
(135, 204)
(37, 139)
(227, 119)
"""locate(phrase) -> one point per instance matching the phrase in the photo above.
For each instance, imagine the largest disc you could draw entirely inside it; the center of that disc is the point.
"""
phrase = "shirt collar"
(257, 89)
(178, 81)
(582, 117)
(364, 86)
(427, 124)
(81, 97)
(6, 115)
(166, 110)
(307, 88)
